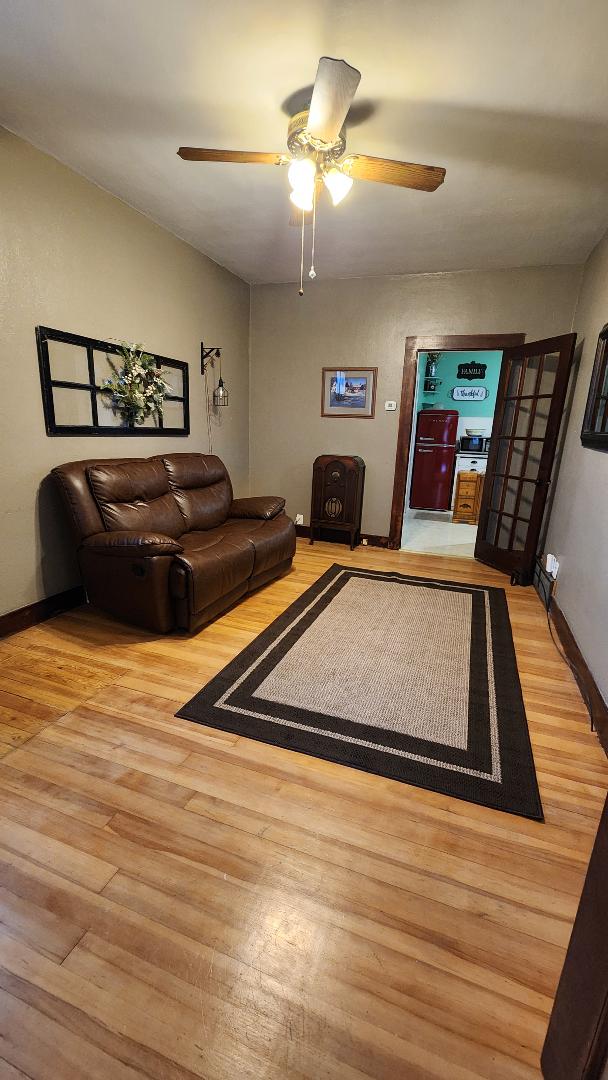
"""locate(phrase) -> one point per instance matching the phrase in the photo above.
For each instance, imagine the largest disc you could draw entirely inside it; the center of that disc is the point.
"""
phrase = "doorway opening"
(454, 401)
(510, 502)
(442, 343)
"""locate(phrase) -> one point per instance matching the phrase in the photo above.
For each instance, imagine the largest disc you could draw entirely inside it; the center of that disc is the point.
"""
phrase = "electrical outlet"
(390, 406)
(364, 541)
(551, 565)
(299, 519)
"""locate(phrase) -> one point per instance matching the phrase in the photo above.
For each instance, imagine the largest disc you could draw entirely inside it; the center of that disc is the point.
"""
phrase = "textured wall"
(75, 258)
(447, 372)
(362, 322)
(578, 527)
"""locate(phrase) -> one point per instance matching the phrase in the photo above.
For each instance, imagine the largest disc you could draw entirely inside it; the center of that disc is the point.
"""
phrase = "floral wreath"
(137, 388)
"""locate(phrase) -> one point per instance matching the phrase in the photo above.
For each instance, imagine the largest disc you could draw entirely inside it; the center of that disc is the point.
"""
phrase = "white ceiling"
(510, 95)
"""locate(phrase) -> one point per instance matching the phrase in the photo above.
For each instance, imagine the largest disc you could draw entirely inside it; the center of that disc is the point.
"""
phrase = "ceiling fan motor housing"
(300, 141)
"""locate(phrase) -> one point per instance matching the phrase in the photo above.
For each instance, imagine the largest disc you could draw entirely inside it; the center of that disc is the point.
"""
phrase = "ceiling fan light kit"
(338, 183)
(302, 176)
(302, 173)
(316, 141)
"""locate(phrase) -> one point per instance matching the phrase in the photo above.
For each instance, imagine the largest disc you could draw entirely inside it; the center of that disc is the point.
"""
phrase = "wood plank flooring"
(178, 902)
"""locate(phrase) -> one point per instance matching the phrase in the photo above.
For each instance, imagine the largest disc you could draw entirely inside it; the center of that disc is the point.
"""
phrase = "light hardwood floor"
(178, 902)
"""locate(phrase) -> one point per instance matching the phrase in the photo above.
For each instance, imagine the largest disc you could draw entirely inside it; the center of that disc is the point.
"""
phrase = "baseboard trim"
(41, 610)
(372, 539)
(587, 684)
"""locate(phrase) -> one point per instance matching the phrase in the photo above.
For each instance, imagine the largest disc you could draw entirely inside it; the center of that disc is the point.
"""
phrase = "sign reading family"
(469, 393)
(472, 370)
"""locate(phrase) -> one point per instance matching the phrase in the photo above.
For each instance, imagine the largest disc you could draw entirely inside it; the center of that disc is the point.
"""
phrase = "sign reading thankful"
(471, 371)
(469, 393)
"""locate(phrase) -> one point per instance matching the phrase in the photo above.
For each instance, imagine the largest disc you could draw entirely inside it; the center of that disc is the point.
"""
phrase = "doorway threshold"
(432, 532)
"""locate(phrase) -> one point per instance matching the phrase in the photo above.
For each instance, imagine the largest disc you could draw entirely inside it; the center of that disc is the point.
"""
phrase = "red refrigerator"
(434, 454)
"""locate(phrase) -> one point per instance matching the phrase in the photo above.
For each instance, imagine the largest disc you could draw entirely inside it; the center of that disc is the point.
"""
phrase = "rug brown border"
(229, 702)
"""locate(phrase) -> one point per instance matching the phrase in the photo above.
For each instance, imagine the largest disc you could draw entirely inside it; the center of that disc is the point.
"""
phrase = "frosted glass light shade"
(301, 174)
(302, 199)
(337, 183)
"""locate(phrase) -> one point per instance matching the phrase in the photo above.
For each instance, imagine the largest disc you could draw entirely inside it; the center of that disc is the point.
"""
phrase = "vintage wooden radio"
(337, 496)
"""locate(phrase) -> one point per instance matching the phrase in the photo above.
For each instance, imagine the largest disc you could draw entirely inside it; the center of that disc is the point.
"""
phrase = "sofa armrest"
(123, 542)
(265, 506)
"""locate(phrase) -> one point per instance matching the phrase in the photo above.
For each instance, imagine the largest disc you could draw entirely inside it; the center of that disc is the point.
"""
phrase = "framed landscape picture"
(349, 392)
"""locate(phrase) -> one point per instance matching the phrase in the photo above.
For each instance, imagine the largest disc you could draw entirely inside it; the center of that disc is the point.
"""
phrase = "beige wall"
(578, 527)
(75, 258)
(363, 322)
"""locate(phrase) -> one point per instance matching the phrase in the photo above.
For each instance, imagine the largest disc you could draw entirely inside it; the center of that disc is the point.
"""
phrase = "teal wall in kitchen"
(447, 367)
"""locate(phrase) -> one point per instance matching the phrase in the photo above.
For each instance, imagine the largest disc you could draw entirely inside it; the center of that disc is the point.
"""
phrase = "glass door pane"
(531, 397)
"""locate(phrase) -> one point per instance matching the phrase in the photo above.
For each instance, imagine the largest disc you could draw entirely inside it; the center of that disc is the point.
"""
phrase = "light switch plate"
(390, 406)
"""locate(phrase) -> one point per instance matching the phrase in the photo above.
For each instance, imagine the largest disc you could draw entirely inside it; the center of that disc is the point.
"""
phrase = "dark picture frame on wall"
(594, 432)
(72, 368)
(349, 392)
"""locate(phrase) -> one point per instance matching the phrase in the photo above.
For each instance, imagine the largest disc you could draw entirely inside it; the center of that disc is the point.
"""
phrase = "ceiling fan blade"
(250, 157)
(385, 171)
(332, 94)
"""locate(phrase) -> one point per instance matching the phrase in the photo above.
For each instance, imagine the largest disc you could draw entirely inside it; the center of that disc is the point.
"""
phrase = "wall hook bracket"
(209, 354)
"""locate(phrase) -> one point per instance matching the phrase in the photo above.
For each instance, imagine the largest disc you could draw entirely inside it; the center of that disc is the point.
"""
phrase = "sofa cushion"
(73, 483)
(213, 563)
(202, 488)
(272, 540)
(135, 495)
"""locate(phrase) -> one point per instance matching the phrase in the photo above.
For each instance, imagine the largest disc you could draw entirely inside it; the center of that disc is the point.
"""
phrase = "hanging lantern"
(220, 394)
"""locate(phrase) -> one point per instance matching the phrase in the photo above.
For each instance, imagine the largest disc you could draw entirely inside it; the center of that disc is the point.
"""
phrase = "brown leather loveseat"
(161, 541)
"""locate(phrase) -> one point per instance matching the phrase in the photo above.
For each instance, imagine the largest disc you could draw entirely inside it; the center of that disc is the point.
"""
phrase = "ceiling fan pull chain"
(302, 259)
(312, 273)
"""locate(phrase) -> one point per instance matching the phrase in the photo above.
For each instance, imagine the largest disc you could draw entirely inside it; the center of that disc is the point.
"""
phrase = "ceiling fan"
(316, 140)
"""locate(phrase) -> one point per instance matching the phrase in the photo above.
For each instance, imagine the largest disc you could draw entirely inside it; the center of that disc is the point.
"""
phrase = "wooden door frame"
(576, 1044)
(414, 345)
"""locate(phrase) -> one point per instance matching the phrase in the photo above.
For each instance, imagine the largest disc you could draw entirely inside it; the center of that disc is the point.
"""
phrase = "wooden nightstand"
(467, 500)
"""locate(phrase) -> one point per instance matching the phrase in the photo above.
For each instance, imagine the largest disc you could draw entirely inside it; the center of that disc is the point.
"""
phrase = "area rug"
(407, 677)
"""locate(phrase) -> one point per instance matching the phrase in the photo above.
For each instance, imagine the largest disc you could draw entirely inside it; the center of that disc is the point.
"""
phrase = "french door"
(529, 407)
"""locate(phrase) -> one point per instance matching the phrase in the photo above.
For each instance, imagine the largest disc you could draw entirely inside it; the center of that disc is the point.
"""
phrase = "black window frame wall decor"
(596, 400)
(44, 334)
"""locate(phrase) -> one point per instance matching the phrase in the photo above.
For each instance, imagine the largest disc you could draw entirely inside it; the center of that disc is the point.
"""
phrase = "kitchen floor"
(434, 533)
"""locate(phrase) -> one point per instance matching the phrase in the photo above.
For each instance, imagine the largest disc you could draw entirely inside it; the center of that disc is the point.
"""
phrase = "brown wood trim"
(598, 708)
(413, 345)
(372, 539)
(576, 1044)
(23, 617)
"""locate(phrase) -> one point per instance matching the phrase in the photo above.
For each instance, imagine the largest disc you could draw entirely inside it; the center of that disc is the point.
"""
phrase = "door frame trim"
(414, 345)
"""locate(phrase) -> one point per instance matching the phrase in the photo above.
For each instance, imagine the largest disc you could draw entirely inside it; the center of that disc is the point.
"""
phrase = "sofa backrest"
(170, 493)
(202, 488)
(135, 495)
(78, 498)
